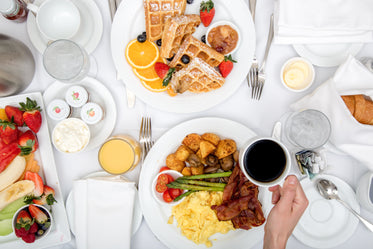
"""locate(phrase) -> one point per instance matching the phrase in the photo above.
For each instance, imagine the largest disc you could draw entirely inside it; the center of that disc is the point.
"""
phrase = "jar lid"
(58, 109)
(91, 113)
(76, 96)
(7, 6)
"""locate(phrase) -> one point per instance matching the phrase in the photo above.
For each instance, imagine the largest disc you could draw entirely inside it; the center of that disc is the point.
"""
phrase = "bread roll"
(361, 107)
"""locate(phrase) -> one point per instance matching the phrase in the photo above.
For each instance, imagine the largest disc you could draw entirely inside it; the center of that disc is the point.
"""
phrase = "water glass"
(66, 61)
(308, 129)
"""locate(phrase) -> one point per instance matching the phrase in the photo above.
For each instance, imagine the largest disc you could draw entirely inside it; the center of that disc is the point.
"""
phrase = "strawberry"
(24, 220)
(207, 12)
(28, 142)
(8, 132)
(20, 232)
(14, 113)
(39, 185)
(39, 216)
(47, 197)
(7, 154)
(34, 228)
(164, 72)
(226, 66)
(29, 238)
(31, 115)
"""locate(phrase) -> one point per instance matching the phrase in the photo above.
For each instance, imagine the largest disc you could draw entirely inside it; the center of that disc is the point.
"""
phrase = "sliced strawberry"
(8, 132)
(226, 66)
(39, 185)
(47, 197)
(39, 216)
(31, 115)
(207, 12)
(24, 220)
(28, 142)
(7, 154)
(15, 114)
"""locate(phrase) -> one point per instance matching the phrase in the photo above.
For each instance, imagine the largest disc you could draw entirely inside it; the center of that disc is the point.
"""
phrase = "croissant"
(361, 107)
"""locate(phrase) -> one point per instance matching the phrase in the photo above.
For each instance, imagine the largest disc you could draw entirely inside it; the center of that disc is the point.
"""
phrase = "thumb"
(289, 191)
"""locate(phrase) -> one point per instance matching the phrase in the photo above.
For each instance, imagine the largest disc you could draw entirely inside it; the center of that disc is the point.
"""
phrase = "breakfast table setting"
(287, 60)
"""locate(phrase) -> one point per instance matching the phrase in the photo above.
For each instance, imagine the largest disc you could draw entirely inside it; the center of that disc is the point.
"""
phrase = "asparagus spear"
(205, 176)
(201, 183)
(184, 195)
(193, 187)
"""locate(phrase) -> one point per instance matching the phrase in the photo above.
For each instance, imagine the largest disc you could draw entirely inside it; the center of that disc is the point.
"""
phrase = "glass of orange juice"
(119, 154)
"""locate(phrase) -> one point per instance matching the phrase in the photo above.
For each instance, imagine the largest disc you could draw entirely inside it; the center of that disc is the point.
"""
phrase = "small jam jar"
(58, 109)
(76, 96)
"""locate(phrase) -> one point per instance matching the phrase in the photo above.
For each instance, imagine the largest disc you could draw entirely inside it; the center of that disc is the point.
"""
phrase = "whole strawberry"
(226, 66)
(28, 142)
(15, 114)
(8, 132)
(207, 12)
(31, 115)
(164, 72)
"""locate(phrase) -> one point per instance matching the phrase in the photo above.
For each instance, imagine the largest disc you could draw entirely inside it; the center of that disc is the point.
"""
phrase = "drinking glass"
(308, 129)
(66, 61)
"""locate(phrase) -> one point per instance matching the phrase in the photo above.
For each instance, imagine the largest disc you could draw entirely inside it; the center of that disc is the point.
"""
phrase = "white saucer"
(98, 94)
(88, 35)
(327, 55)
(137, 213)
(327, 223)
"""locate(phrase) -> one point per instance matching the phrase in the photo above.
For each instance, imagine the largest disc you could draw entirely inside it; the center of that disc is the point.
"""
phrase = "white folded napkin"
(103, 212)
(347, 134)
(323, 21)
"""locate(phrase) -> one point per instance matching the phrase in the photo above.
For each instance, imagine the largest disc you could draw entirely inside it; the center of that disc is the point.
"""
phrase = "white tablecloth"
(260, 116)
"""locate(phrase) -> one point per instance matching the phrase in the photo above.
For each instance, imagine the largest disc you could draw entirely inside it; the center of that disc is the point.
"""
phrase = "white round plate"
(88, 35)
(157, 215)
(99, 94)
(327, 55)
(137, 213)
(327, 223)
(129, 23)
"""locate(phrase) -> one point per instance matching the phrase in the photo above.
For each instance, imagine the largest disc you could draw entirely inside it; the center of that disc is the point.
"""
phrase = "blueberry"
(159, 42)
(203, 38)
(190, 1)
(170, 59)
(144, 33)
(40, 232)
(185, 59)
(141, 38)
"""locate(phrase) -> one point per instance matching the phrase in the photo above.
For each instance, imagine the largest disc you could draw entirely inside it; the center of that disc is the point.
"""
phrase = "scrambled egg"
(197, 220)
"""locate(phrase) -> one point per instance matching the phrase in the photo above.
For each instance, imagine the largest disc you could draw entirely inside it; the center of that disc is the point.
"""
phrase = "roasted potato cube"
(197, 170)
(192, 141)
(225, 148)
(211, 137)
(186, 171)
(206, 148)
(173, 163)
(182, 153)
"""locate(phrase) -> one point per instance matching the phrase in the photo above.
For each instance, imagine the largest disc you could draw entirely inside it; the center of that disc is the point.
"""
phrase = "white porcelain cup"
(364, 191)
(265, 161)
(56, 19)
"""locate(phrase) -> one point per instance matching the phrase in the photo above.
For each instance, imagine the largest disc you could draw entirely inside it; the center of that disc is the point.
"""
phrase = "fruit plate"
(44, 155)
(129, 23)
(157, 215)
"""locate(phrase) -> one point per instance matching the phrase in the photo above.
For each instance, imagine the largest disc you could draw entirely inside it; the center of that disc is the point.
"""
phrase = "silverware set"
(145, 136)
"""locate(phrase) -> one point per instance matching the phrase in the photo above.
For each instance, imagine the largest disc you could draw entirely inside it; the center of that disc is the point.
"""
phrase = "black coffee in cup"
(265, 160)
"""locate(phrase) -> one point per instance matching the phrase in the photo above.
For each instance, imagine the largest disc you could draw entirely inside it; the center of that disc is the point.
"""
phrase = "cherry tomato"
(163, 169)
(167, 197)
(174, 192)
(163, 179)
(170, 178)
(160, 187)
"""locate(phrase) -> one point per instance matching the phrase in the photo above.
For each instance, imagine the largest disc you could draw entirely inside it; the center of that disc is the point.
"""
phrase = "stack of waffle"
(175, 30)
(156, 14)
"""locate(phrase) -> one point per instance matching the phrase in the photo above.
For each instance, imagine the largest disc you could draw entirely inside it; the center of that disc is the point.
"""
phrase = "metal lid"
(7, 6)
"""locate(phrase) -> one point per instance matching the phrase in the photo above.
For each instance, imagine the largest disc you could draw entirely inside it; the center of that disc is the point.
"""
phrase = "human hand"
(290, 203)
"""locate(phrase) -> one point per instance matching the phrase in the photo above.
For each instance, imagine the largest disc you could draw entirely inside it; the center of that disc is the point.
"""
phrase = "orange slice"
(141, 55)
(3, 115)
(148, 74)
(154, 86)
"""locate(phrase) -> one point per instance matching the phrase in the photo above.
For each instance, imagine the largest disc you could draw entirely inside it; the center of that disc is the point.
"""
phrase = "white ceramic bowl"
(364, 189)
(65, 133)
(159, 196)
(219, 23)
(45, 210)
(310, 79)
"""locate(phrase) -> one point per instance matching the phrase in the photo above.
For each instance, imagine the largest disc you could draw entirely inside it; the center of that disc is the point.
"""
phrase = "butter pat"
(297, 74)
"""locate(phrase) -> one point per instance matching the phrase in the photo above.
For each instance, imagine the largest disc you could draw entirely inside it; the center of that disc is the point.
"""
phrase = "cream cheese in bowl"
(297, 74)
(71, 135)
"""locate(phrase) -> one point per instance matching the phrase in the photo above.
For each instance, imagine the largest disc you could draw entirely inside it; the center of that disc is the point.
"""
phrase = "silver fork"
(145, 136)
(261, 75)
(252, 76)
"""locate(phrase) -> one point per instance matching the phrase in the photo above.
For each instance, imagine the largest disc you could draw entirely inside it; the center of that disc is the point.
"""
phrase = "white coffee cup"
(56, 19)
(265, 161)
(364, 191)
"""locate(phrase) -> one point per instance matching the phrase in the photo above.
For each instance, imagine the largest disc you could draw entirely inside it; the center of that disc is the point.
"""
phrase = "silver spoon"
(329, 191)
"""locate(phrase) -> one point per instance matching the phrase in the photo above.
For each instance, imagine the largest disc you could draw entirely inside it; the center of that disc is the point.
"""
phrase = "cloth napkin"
(348, 135)
(103, 212)
(323, 21)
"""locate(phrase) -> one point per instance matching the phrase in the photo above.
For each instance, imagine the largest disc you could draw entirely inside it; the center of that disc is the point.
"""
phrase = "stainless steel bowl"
(17, 66)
